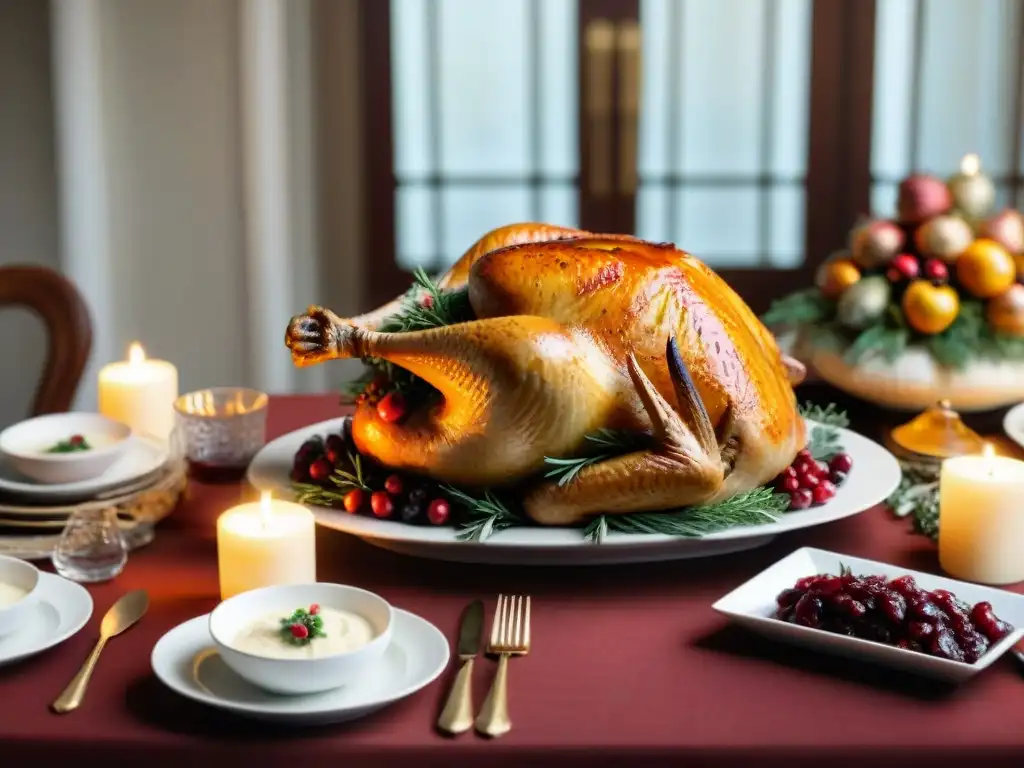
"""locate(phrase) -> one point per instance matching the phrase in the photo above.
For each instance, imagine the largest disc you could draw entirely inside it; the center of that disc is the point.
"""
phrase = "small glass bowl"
(220, 430)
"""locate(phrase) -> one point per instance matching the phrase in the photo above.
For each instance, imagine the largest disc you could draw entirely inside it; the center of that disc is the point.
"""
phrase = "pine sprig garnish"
(484, 516)
(917, 497)
(807, 307)
(824, 442)
(609, 443)
(308, 493)
(757, 507)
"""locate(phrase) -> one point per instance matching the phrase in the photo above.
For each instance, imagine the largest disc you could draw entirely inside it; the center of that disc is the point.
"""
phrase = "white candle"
(981, 518)
(264, 543)
(140, 393)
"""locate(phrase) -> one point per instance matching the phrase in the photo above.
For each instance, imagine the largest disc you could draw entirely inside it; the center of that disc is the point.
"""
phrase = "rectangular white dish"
(752, 605)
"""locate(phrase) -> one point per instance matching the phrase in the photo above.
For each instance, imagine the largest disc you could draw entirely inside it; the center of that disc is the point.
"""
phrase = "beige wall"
(28, 191)
(174, 124)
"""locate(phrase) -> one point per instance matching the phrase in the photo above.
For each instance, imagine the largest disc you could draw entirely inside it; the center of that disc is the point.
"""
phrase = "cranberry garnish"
(821, 469)
(809, 480)
(353, 500)
(841, 462)
(320, 470)
(393, 485)
(800, 499)
(314, 609)
(823, 492)
(76, 440)
(803, 453)
(837, 477)
(788, 472)
(789, 484)
(438, 512)
(299, 631)
(380, 503)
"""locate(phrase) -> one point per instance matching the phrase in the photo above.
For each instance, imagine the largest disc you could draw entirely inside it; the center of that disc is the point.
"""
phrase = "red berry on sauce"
(841, 462)
(320, 469)
(299, 631)
(353, 500)
(823, 492)
(391, 407)
(800, 499)
(314, 609)
(438, 512)
(380, 503)
(393, 485)
(427, 301)
(76, 440)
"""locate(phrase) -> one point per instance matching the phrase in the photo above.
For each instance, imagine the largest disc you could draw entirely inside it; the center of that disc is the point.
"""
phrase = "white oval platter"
(875, 475)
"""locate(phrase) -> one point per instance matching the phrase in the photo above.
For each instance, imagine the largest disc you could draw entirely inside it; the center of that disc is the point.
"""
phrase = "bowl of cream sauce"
(18, 581)
(345, 630)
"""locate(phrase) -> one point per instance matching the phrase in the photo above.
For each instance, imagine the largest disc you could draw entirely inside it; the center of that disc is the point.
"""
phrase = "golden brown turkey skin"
(571, 336)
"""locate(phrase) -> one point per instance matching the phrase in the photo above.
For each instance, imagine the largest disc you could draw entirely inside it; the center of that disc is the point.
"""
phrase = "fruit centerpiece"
(925, 306)
(524, 387)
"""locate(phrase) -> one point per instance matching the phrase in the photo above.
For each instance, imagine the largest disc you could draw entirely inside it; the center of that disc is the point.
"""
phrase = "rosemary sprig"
(308, 493)
(484, 516)
(917, 497)
(609, 443)
(757, 507)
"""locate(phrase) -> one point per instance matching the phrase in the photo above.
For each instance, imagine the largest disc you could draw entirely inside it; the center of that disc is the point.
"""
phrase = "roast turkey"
(573, 333)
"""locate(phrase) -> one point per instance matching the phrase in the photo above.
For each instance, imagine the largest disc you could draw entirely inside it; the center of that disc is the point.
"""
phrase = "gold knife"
(457, 716)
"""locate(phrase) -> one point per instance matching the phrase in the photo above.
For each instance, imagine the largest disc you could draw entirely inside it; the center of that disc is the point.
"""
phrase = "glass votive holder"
(92, 547)
(219, 430)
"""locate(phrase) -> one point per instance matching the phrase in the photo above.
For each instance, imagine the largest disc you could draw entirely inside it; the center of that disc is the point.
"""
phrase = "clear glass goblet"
(92, 547)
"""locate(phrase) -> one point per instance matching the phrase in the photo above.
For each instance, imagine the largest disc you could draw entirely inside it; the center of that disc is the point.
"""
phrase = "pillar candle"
(140, 393)
(981, 518)
(265, 543)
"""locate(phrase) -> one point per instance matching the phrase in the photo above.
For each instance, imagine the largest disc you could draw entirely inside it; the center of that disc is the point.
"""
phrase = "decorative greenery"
(484, 515)
(308, 493)
(609, 443)
(917, 497)
(970, 337)
(73, 444)
(425, 306)
(310, 619)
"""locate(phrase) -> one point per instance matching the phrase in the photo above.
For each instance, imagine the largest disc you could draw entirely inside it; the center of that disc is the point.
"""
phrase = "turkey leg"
(684, 468)
(513, 390)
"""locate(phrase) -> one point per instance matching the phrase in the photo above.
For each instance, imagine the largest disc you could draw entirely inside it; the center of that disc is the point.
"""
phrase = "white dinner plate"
(1013, 424)
(62, 608)
(753, 603)
(875, 475)
(142, 458)
(186, 661)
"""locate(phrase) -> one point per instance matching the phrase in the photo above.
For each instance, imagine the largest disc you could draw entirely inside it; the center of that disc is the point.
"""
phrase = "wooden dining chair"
(57, 301)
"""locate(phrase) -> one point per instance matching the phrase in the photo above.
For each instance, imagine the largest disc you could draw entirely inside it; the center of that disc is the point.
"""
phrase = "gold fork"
(510, 636)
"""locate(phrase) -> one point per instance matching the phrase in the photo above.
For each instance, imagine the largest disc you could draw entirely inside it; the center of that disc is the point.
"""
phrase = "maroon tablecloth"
(630, 665)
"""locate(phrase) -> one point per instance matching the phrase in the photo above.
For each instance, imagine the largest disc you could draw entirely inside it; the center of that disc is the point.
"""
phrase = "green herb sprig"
(310, 619)
(73, 444)
(608, 444)
(308, 493)
(917, 497)
(483, 515)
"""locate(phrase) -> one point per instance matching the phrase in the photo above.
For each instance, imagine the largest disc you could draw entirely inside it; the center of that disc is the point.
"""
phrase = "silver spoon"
(126, 611)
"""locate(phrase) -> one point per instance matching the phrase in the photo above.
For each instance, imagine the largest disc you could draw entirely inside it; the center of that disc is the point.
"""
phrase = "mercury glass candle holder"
(219, 430)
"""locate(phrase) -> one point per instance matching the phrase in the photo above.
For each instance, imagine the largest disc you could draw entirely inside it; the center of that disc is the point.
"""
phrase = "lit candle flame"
(136, 354)
(970, 165)
(988, 450)
(265, 509)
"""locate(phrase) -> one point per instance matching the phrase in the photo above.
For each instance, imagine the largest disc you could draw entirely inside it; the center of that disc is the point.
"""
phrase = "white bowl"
(753, 604)
(21, 575)
(25, 445)
(301, 676)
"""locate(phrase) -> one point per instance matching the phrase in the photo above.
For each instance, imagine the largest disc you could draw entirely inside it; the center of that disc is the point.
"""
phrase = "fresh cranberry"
(789, 484)
(393, 485)
(809, 481)
(76, 440)
(804, 465)
(299, 631)
(788, 472)
(314, 609)
(391, 407)
(821, 469)
(438, 512)
(837, 478)
(381, 504)
(800, 499)
(803, 453)
(427, 301)
(320, 470)
(841, 462)
(354, 500)
(824, 492)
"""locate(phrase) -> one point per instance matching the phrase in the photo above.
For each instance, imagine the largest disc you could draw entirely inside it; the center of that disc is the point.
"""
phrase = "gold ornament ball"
(985, 268)
(921, 197)
(944, 237)
(1006, 228)
(836, 276)
(1005, 312)
(874, 243)
(930, 308)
